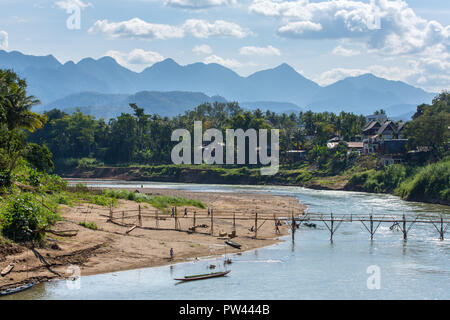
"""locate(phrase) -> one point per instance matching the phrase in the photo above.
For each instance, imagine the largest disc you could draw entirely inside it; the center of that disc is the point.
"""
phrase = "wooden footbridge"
(372, 222)
(205, 218)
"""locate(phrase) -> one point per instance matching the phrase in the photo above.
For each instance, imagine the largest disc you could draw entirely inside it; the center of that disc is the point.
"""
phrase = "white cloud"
(298, 28)
(199, 4)
(260, 51)
(340, 51)
(137, 28)
(202, 49)
(431, 74)
(336, 74)
(229, 63)
(203, 29)
(70, 4)
(432, 71)
(3, 40)
(137, 59)
(389, 26)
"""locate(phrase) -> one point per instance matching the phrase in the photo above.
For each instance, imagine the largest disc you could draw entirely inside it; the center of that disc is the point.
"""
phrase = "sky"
(324, 40)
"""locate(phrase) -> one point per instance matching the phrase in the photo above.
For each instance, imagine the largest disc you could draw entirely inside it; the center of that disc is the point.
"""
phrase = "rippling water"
(311, 267)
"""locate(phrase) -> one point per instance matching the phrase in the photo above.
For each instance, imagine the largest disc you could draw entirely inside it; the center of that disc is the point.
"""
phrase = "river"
(311, 267)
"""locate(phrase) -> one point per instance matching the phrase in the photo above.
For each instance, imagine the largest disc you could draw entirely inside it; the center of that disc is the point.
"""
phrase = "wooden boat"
(7, 270)
(204, 276)
(233, 244)
(18, 289)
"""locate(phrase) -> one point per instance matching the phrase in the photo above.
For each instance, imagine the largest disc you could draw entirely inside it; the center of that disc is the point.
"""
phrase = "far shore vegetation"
(138, 146)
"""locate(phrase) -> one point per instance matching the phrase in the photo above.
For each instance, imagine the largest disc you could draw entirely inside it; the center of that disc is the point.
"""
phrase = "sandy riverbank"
(110, 249)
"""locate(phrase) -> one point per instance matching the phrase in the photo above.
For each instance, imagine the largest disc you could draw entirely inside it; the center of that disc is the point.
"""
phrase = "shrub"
(89, 163)
(431, 182)
(23, 215)
(89, 225)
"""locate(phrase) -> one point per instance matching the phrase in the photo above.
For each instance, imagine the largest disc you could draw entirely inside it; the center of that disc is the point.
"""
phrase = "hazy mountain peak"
(285, 67)
(361, 94)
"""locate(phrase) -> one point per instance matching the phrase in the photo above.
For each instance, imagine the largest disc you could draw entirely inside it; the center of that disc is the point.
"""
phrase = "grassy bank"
(428, 183)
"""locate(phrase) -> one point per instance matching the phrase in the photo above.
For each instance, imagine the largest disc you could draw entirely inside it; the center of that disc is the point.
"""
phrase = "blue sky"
(323, 40)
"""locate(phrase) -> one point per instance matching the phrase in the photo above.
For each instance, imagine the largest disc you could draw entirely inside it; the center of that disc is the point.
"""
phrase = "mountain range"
(104, 87)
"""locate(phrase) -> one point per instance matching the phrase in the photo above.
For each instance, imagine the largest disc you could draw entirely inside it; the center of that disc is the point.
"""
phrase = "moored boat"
(203, 276)
(15, 290)
(233, 244)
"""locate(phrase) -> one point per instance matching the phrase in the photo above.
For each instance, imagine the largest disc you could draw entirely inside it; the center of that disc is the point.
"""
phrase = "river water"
(311, 267)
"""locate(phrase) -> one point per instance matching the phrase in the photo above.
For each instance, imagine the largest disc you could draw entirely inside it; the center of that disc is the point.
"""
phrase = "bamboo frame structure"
(331, 221)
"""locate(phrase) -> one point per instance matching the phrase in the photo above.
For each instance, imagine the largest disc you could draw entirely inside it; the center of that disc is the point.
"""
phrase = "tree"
(429, 127)
(15, 105)
(39, 157)
(15, 116)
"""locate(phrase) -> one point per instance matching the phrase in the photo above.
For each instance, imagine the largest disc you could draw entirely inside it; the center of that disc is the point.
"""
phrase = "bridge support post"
(371, 227)
(405, 232)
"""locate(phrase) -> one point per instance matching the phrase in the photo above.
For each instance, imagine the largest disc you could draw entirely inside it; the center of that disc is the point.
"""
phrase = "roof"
(355, 145)
(371, 125)
(335, 139)
(387, 124)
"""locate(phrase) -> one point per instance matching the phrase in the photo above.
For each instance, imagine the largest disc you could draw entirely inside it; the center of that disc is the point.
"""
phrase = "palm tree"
(16, 105)
(16, 114)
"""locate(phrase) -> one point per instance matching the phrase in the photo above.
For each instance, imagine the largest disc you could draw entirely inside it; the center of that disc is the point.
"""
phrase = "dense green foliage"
(82, 141)
(431, 183)
(430, 126)
(23, 216)
(428, 183)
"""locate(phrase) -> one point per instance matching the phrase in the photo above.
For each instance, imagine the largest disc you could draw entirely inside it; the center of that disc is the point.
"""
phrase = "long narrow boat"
(204, 276)
(233, 244)
(18, 289)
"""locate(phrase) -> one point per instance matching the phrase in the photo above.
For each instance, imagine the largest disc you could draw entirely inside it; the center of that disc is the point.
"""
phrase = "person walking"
(171, 253)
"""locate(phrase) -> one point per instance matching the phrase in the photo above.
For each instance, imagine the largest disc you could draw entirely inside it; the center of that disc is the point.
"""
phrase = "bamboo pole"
(405, 232)
(293, 227)
(212, 221)
(193, 227)
(332, 228)
(176, 219)
(156, 219)
(140, 217)
(371, 227)
(256, 225)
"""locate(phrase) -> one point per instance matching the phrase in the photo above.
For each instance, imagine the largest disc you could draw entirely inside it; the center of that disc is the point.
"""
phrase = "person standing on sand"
(171, 253)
